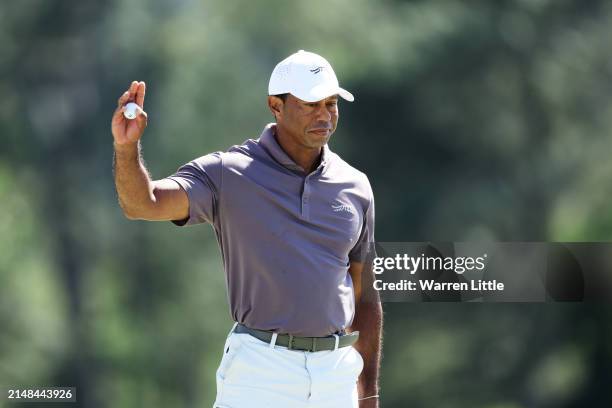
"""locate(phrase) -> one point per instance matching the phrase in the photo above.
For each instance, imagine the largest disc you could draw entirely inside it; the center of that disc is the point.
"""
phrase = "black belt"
(301, 343)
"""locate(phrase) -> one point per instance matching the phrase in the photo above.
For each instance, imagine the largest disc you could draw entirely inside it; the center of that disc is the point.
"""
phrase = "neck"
(306, 158)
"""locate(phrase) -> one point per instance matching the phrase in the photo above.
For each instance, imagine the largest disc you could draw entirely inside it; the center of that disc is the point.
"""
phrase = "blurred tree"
(474, 120)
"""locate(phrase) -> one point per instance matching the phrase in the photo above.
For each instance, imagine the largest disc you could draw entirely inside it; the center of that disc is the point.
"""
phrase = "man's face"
(309, 124)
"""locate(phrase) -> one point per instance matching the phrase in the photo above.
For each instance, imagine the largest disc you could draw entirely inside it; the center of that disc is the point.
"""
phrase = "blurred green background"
(479, 120)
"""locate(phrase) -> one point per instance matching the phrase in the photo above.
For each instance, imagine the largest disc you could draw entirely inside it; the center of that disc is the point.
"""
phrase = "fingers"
(133, 88)
(129, 95)
(142, 119)
(135, 93)
(123, 99)
(118, 114)
(140, 93)
(140, 112)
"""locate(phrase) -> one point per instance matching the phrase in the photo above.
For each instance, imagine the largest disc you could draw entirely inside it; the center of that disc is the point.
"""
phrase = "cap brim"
(346, 95)
(321, 92)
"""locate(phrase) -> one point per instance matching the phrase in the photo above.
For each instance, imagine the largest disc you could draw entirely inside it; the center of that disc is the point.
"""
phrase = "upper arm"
(170, 203)
(366, 237)
(360, 255)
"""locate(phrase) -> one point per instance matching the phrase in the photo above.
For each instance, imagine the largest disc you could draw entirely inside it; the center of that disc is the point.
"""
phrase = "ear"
(276, 106)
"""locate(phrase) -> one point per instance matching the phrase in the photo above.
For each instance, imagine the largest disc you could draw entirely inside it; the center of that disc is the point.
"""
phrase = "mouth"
(321, 132)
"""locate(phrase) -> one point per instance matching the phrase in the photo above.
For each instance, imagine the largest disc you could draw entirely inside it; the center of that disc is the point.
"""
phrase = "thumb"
(141, 118)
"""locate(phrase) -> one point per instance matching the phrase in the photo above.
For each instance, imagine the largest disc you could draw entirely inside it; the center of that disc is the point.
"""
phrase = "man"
(293, 222)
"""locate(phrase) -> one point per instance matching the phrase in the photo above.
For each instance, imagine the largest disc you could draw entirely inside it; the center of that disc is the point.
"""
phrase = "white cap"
(308, 76)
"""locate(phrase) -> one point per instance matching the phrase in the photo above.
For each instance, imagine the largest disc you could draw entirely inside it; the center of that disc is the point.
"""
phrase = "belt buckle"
(290, 344)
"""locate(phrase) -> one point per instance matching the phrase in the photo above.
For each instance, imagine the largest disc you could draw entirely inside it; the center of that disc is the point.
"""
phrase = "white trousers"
(253, 374)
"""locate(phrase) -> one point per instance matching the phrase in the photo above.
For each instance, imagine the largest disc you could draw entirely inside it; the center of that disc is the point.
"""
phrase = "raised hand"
(127, 131)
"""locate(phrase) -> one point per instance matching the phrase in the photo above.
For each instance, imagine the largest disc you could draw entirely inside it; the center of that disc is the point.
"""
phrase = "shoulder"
(240, 156)
(236, 157)
(207, 161)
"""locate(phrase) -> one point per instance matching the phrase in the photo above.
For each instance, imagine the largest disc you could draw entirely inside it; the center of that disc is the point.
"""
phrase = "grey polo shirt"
(286, 237)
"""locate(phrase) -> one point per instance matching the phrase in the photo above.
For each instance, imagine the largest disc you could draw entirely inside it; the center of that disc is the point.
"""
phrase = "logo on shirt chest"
(340, 207)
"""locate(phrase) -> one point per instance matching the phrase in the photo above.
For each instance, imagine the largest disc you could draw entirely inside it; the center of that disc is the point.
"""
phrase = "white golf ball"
(131, 110)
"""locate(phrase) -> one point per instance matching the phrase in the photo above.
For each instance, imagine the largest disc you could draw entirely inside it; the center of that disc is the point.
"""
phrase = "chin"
(315, 140)
(317, 143)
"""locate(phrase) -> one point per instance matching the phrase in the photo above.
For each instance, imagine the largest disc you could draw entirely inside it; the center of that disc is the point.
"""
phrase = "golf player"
(293, 221)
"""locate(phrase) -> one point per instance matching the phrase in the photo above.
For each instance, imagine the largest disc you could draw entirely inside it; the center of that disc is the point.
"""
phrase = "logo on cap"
(307, 76)
(317, 70)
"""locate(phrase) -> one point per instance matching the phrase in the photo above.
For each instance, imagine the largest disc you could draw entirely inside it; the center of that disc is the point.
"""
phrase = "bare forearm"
(368, 321)
(134, 186)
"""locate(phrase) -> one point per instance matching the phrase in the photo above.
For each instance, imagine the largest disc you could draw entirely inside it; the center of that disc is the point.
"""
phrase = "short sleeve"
(201, 180)
(366, 238)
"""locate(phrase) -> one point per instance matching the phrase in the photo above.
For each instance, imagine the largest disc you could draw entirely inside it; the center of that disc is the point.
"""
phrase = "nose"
(323, 114)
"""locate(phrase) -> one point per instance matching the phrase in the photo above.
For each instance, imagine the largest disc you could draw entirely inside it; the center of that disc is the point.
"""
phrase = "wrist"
(126, 148)
(369, 401)
(370, 388)
(369, 394)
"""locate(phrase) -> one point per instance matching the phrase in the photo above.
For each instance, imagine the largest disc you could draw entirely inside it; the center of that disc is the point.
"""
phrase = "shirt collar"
(268, 141)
